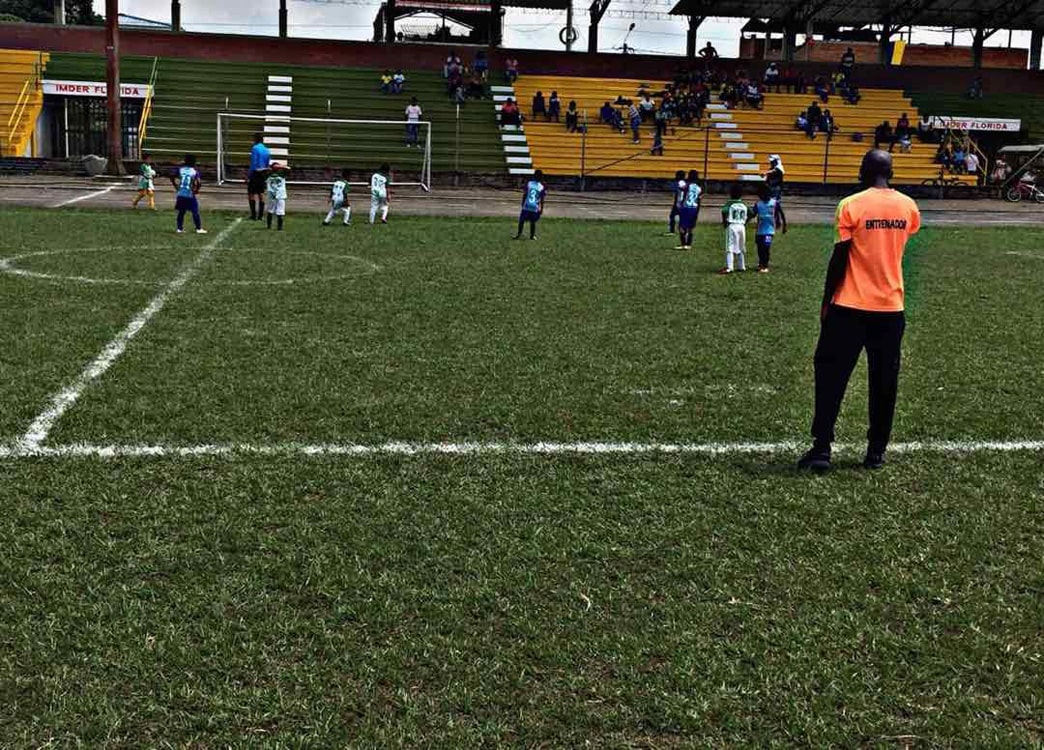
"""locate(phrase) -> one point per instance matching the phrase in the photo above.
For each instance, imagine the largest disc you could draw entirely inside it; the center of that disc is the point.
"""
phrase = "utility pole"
(59, 12)
(283, 19)
(175, 15)
(112, 79)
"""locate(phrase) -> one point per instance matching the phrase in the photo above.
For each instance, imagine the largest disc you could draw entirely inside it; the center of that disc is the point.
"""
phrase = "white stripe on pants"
(735, 245)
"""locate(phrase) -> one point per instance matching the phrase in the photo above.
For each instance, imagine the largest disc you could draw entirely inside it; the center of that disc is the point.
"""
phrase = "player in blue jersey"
(769, 215)
(689, 213)
(532, 205)
(678, 190)
(260, 158)
(186, 182)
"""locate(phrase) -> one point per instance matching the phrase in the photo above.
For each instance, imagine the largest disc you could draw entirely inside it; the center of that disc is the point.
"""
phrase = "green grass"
(509, 600)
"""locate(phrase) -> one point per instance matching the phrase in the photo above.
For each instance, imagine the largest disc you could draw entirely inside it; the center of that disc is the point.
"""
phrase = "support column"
(389, 22)
(569, 27)
(884, 53)
(59, 12)
(1036, 39)
(789, 43)
(810, 30)
(283, 19)
(978, 42)
(597, 10)
(175, 15)
(112, 81)
(690, 36)
(496, 23)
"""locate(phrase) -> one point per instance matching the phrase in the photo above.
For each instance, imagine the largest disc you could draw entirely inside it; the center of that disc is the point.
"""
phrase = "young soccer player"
(186, 182)
(689, 213)
(734, 217)
(379, 194)
(769, 216)
(275, 187)
(532, 205)
(146, 182)
(679, 196)
(339, 200)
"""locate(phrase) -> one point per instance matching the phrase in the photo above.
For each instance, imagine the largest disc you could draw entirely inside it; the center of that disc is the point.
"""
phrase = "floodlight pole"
(59, 12)
(112, 81)
(283, 19)
(175, 15)
(1036, 39)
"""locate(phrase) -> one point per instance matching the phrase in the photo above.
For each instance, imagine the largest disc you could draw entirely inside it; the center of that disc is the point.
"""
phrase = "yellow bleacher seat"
(21, 99)
(736, 146)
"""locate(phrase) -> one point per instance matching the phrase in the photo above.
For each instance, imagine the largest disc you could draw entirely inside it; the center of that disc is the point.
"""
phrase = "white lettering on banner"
(94, 88)
(994, 124)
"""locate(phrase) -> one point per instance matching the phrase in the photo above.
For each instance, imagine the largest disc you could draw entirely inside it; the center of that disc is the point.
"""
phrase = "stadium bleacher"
(19, 103)
(1027, 107)
(190, 93)
(737, 145)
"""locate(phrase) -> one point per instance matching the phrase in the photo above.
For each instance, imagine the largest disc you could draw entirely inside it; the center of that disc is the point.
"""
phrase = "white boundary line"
(60, 403)
(359, 450)
(86, 197)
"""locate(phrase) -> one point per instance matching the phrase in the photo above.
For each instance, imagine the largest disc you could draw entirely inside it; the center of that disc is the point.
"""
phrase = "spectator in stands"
(851, 93)
(926, 129)
(572, 117)
(481, 65)
(509, 113)
(902, 126)
(971, 164)
(827, 124)
(646, 106)
(772, 76)
(605, 114)
(822, 89)
(883, 134)
(413, 115)
(708, 53)
(754, 96)
(539, 107)
(658, 133)
(800, 82)
(554, 107)
(975, 90)
(452, 66)
(802, 121)
(398, 82)
(635, 119)
(386, 82)
(460, 94)
(729, 96)
(476, 88)
(815, 114)
(1001, 171)
(455, 81)
(958, 163)
(848, 60)
(511, 69)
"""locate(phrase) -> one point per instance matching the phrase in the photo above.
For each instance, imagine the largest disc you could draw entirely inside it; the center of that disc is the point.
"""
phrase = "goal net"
(317, 149)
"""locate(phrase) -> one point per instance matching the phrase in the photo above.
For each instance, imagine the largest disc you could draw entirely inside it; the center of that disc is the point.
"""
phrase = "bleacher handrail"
(146, 108)
(30, 87)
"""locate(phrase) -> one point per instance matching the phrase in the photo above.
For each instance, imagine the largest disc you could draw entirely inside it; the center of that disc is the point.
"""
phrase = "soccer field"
(418, 484)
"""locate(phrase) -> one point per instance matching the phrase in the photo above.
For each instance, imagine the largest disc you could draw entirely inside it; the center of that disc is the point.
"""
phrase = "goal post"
(317, 148)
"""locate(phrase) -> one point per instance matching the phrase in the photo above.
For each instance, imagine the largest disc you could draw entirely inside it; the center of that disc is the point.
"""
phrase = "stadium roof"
(963, 14)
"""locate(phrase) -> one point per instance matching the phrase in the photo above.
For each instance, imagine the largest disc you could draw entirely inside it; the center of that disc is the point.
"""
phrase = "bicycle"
(1023, 189)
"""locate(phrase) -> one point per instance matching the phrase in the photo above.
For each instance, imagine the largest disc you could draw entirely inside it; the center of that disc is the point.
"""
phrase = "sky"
(339, 20)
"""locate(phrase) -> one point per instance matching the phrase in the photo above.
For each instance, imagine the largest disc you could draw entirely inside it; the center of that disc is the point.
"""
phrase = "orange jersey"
(878, 221)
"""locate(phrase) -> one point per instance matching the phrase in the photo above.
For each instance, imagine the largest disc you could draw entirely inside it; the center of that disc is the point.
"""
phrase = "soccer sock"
(729, 261)
(373, 212)
(268, 220)
(196, 218)
(136, 201)
(521, 226)
(279, 223)
(347, 214)
(329, 216)
(181, 219)
(384, 212)
(152, 201)
(260, 208)
(253, 210)
(742, 258)
(532, 230)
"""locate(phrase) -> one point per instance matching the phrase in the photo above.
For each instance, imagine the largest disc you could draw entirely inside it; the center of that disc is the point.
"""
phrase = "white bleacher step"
(280, 79)
(726, 125)
(712, 107)
(731, 136)
(735, 145)
(512, 138)
(750, 178)
(502, 97)
(277, 128)
(279, 151)
(278, 140)
(516, 149)
(273, 89)
(721, 115)
(281, 98)
(276, 118)
(741, 155)
(749, 167)
(512, 128)
(519, 160)
(502, 89)
(283, 108)
(521, 170)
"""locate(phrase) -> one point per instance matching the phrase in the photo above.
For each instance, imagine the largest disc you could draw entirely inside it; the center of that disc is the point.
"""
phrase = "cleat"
(201, 231)
(682, 247)
(179, 231)
(724, 272)
(384, 221)
(517, 237)
(874, 460)
(817, 460)
(763, 270)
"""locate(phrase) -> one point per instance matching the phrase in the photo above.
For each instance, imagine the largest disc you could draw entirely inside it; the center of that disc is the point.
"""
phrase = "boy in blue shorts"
(187, 183)
(532, 205)
(769, 215)
(689, 213)
(679, 195)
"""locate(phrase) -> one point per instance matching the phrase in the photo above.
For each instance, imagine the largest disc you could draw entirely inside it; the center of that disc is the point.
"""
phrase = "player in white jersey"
(339, 200)
(734, 217)
(379, 194)
(276, 188)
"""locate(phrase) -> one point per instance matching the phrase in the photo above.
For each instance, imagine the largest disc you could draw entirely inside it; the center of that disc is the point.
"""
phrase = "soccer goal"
(319, 148)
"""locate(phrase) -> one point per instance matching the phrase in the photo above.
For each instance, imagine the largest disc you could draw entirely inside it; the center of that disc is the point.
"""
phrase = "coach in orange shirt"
(863, 309)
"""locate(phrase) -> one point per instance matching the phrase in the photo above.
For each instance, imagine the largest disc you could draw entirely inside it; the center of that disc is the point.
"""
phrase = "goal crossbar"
(423, 170)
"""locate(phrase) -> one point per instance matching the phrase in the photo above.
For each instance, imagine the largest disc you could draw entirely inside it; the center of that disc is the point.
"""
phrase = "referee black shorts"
(256, 183)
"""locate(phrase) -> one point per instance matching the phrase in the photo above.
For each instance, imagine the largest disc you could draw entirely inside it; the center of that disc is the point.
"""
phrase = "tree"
(78, 12)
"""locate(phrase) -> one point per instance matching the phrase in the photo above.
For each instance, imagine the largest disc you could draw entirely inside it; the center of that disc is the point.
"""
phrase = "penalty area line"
(549, 448)
(85, 197)
(64, 399)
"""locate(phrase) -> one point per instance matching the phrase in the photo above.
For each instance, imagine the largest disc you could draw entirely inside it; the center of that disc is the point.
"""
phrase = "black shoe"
(817, 460)
(874, 460)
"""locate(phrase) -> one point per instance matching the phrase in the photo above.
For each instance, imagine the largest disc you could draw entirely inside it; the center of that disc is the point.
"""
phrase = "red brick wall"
(920, 54)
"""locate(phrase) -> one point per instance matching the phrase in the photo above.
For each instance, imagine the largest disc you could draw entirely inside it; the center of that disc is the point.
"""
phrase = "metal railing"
(146, 109)
(30, 87)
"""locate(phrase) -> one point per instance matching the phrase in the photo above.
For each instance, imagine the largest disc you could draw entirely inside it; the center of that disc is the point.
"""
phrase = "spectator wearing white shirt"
(413, 115)
(971, 163)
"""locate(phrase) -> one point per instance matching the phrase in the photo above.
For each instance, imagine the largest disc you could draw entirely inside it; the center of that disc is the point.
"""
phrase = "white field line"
(65, 398)
(358, 450)
(85, 197)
